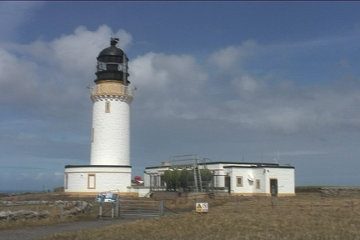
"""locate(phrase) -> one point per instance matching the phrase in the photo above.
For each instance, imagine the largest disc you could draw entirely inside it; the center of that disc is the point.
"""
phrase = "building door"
(228, 183)
(274, 187)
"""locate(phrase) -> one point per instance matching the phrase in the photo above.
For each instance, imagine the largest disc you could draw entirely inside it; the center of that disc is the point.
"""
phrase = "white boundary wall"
(97, 179)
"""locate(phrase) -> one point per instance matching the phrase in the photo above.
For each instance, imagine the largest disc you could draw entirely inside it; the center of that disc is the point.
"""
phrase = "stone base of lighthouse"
(97, 178)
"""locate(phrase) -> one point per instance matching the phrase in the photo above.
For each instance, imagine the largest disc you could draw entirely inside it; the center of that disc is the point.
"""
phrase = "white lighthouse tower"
(109, 168)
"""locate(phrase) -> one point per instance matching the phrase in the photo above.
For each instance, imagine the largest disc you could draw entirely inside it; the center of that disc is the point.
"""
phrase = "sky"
(273, 82)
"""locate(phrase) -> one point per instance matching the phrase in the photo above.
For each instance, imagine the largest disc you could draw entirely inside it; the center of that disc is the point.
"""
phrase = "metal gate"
(144, 208)
(108, 210)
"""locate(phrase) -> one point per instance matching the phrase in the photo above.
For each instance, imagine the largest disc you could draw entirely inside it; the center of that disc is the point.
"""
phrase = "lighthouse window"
(122, 67)
(107, 107)
(91, 181)
(101, 66)
(111, 67)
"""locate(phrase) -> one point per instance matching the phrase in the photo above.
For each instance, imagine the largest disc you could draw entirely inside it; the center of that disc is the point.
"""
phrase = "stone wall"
(66, 208)
(23, 214)
(339, 191)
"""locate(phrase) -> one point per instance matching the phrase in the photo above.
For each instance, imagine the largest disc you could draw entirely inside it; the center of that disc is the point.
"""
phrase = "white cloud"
(245, 84)
(76, 53)
(174, 86)
(157, 70)
(33, 73)
(302, 109)
(272, 102)
(18, 77)
(147, 74)
(233, 56)
(167, 84)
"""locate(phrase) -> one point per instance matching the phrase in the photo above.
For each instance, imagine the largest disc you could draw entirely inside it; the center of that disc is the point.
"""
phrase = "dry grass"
(306, 216)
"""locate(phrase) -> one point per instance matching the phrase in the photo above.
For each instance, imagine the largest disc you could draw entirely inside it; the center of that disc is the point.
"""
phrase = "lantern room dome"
(112, 53)
(112, 64)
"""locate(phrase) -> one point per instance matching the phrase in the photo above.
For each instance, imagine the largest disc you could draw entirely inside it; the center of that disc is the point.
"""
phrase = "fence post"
(161, 207)
(100, 210)
(117, 210)
(320, 204)
(112, 210)
(61, 209)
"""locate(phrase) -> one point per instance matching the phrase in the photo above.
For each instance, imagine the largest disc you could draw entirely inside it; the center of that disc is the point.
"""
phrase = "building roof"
(233, 164)
(97, 166)
(259, 166)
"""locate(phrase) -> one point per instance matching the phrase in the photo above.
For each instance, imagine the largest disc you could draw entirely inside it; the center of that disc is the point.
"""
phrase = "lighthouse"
(111, 99)
(111, 95)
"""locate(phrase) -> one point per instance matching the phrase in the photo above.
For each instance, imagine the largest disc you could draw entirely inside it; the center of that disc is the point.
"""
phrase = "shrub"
(184, 179)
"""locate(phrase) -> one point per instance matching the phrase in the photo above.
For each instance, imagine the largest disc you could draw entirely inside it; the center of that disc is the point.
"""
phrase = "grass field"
(307, 216)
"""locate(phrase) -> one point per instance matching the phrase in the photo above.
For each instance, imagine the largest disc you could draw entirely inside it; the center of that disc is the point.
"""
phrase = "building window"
(107, 107)
(239, 181)
(91, 181)
(257, 183)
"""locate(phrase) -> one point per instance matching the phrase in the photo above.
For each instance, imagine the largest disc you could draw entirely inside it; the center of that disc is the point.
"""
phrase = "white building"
(109, 168)
(237, 178)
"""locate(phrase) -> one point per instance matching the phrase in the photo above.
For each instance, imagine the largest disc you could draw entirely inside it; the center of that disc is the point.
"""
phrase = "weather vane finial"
(114, 41)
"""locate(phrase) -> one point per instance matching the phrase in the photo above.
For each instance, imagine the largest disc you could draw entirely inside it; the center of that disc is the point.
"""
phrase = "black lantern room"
(112, 64)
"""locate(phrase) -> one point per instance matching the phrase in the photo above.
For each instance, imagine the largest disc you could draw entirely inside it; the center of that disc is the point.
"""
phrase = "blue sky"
(229, 81)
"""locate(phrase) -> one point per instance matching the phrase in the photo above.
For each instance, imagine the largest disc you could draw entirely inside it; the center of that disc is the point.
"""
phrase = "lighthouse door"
(274, 187)
(228, 183)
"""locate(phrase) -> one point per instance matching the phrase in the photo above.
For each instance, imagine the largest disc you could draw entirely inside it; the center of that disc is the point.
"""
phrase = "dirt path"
(33, 233)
